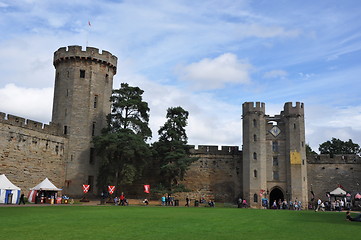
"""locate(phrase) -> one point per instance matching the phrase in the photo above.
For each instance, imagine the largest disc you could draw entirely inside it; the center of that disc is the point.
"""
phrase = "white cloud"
(30, 103)
(205, 124)
(217, 72)
(3, 5)
(324, 122)
(275, 74)
(262, 31)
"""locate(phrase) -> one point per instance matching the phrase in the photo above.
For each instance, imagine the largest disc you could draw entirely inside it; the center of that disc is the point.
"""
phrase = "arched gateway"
(276, 194)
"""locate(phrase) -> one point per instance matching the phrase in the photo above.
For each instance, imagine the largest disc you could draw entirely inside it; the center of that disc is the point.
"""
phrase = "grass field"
(136, 222)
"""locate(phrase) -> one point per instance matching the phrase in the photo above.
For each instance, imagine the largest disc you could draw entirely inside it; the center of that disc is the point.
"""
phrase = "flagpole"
(88, 32)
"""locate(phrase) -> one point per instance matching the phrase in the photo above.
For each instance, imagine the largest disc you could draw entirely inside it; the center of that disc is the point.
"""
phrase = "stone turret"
(293, 117)
(83, 86)
(254, 151)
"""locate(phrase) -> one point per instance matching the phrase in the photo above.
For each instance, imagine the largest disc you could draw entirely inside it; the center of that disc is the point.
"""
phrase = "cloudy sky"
(206, 56)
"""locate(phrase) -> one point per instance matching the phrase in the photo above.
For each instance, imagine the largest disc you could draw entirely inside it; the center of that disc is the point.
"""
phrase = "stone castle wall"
(216, 175)
(30, 152)
(325, 173)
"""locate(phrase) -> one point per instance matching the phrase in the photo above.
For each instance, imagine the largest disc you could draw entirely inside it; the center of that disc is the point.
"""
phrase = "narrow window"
(67, 92)
(255, 197)
(82, 73)
(275, 161)
(294, 126)
(275, 146)
(254, 123)
(303, 161)
(93, 129)
(92, 156)
(255, 173)
(255, 156)
(95, 101)
(254, 137)
(65, 130)
(276, 175)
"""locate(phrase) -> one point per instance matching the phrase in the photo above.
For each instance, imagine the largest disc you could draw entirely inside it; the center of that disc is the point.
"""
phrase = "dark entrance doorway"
(276, 194)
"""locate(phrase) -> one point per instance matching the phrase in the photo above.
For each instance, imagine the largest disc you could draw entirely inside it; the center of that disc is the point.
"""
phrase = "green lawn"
(136, 222)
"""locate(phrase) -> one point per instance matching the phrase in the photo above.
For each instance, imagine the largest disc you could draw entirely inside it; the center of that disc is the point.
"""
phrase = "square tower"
(274, 154)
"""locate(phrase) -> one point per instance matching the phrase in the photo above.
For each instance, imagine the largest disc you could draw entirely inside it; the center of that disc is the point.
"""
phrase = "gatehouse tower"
(83, 87)
(274, 154)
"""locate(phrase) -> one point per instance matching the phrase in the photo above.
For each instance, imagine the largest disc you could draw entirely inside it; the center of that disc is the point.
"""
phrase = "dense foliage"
(122, 145)
(171, 151)
(337, 146)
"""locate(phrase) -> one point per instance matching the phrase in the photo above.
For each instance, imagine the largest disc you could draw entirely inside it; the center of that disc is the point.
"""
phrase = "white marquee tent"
(339, 192)
(9, 193)
(45, 185)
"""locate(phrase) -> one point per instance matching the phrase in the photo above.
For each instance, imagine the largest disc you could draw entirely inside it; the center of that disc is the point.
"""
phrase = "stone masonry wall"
(325, 173)
(29, 154)
(216, 175)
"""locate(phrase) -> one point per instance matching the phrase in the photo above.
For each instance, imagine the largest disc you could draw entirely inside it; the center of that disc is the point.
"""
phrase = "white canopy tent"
(44, 186)
(338, 192)
(9, 193)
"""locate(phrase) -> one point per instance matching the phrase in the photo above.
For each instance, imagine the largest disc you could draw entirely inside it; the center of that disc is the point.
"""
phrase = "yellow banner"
(295, 158)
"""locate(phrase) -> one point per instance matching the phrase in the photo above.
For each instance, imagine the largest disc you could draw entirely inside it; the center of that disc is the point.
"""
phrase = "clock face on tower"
(275, 131)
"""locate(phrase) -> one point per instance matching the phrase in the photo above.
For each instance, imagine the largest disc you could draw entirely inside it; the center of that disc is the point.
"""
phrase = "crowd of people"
(337, 205)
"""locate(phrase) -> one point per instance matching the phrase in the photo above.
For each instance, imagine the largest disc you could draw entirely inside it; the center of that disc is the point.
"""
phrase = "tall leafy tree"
(129, 111)
(172, 151)
(337, 146)
(122, 145)
(309, 150)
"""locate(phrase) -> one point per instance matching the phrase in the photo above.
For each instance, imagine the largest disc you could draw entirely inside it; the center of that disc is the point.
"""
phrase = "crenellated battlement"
(91, 54)
(253, 107)
(334, 159)
(289, 109)
(211, 149)
(30, 124)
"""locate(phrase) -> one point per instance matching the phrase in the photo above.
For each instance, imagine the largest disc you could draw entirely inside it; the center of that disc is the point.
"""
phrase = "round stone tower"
(83, 86)
(254, 151)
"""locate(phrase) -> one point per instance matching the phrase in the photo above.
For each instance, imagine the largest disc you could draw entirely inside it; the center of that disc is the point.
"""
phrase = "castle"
(272, 162)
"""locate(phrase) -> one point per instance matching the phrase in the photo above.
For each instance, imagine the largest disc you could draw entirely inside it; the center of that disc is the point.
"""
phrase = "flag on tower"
(89, 23)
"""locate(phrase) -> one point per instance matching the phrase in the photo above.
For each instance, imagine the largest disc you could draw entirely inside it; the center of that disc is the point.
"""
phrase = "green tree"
(337, 146)
(129, 111)
(309, 150)
(172, 151)
(122, 145)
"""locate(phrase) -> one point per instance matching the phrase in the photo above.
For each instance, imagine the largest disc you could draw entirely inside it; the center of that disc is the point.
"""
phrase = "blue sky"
(206, 56)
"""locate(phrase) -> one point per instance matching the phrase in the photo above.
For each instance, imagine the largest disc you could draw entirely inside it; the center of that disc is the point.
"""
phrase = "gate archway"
(276, 194)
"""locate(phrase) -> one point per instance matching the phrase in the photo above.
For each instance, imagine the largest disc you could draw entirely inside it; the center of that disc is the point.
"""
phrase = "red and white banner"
(111, 189)
(86, 188)
(147, 188)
